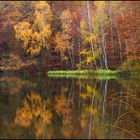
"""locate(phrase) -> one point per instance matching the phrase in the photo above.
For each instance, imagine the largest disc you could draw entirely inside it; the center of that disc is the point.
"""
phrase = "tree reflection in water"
(78, 108)
(35, 111)
(126, 104)
(63, 107)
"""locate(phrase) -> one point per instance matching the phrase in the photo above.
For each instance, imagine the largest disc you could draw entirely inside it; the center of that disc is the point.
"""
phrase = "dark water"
(41, 107)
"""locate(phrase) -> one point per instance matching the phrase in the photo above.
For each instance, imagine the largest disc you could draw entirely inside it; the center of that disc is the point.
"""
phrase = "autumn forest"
(70, 69)
(70, 35)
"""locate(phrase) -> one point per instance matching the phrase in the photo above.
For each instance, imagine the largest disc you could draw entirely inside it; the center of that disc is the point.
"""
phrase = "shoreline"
(100, 73)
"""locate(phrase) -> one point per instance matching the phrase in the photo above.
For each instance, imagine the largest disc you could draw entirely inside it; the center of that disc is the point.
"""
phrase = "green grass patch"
(86, 74)
(91, 74)
(83, 76)
(82, 72)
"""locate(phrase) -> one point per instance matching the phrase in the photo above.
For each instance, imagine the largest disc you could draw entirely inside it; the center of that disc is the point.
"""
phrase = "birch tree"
(100, 5)
(35, 36)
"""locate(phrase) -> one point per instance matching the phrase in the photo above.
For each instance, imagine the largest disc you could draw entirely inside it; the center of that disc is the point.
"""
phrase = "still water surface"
(60, 108)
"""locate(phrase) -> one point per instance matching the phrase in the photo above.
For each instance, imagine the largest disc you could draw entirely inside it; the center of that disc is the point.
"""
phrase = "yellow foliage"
(62, 106)
(66, 20)
(62, 44)
(89, 89)
(100, 4)
(63, 39)
(84, 30)
(84, 52)
(35, 37)
(84, 118)
(23, 117)
(23, 32)
(34, 109)
(89, 59)
(43, 12)
(84, 96)
(92, 110)
(46, 32)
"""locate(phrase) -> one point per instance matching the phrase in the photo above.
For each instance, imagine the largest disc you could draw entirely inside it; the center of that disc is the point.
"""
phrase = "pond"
(66, 108)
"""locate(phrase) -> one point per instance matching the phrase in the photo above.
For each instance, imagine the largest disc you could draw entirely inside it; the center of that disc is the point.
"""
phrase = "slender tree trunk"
(103, 36)
(79, 46)
(100, 61)
(70, 57)
(91, 117)
(110, 15)
(73, 61)
(90, 30)
(104, 102)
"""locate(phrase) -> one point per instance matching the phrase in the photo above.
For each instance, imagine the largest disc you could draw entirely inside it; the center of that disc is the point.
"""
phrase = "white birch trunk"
(90, 30)
(101, 15)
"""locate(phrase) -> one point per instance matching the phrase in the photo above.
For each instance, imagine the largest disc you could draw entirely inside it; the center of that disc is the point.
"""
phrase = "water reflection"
(34, 112)
(35, 107)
